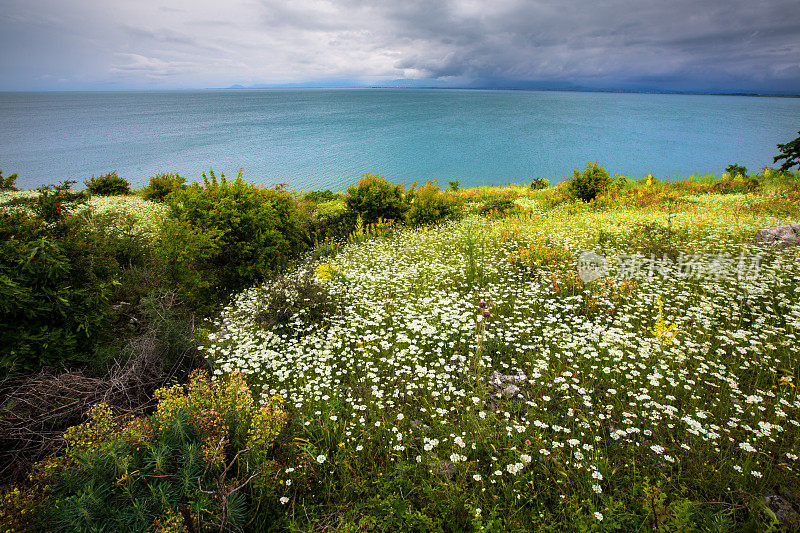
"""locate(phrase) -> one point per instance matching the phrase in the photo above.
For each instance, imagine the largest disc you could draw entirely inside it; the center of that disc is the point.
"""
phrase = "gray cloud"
(683, 45)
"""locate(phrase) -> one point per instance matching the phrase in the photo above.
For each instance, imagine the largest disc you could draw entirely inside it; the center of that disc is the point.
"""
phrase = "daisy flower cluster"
(560, 382)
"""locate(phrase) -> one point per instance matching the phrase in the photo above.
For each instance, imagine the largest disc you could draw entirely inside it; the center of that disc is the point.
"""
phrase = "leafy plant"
(162, 185)
(735, 170)
(430, 205)
(540, 254)
(319, 197)
(55, 287)
(223, 235)
(291, 302)
(498, 204)
(375, 198)
(55, 202)
(188, 463)
(107, 185)
(588, 184)
(330, 220)
(540, 183)
(453, 185)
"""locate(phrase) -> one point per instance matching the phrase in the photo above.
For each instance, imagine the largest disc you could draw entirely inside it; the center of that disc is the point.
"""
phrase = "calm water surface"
(327, 138)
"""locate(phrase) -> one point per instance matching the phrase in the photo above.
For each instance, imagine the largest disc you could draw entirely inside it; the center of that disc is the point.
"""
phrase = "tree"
(790, 152)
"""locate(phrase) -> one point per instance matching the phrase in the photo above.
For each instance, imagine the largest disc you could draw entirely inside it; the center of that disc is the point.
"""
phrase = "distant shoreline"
(404, 87)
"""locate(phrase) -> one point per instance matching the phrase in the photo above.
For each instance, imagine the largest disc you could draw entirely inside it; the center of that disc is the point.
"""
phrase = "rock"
(444, 468)
(787, 517)
(509, 391)
(416, 424)
(788, 235)
(507, 385)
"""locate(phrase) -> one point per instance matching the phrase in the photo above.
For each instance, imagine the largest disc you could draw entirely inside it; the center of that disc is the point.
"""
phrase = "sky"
(676, 45)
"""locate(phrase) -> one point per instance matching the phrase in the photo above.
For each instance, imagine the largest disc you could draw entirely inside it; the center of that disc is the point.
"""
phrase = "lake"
(327, 138)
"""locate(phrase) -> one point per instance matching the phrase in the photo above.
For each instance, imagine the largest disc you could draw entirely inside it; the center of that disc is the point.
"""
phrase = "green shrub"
(453, 185)
(430, 205)
(657, 240)
(374, 198)
(284, 304)
(8, 183)
(222, 236)
(190, 464)
(588, 184)
(540, 183)
(56, 281)
(735, 170)
(55, 202)
(330, 220)
(162, 185)
(735, 185)
(107, 185)
(497, 204)
(319, 197)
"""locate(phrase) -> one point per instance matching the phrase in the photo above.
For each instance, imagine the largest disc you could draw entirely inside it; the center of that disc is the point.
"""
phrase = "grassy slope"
(641, 401)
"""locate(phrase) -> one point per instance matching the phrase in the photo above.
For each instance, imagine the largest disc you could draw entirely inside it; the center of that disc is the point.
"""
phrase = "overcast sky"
(694, 45)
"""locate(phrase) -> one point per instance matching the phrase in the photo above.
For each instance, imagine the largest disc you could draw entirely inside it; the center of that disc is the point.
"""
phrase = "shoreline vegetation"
(604, 354)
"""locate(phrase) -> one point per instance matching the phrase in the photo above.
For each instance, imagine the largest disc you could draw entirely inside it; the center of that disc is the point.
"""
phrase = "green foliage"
(330, 220)
(497, 204)
(223, 236)
(319, 197)
(291, 301)
(735, 170)
(540, 183)
(190, 463)
(162, 185)
(588, 184)
(8, 183)
(56, 281)
(374, 198)
(453, 185)
(658, 240)
(55, 202)
(739, 184)
(430, 205)
(107, 185)
(790, 154)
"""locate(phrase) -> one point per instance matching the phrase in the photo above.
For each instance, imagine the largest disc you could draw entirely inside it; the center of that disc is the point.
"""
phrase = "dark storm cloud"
(617, 44)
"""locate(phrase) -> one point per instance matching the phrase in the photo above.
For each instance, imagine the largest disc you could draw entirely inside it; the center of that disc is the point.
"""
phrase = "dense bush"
(162, 185)
(222, 236)
(374, 198)
(56, 281)
(319, 197)
(540, 183)
(735, 170)
(497, 204)
(8, 183)
(190, 465)
(289, 303)
(55, 202)
(740, 184)
(589, 183)
(430, 205)
(107, 185)
(657, 240)
(330, 220)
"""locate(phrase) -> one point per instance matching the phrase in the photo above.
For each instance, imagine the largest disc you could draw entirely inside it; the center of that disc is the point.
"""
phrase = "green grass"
(652, 399)
(625, 415)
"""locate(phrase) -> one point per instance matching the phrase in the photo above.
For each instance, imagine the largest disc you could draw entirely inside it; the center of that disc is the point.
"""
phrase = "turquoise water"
(327, 138)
